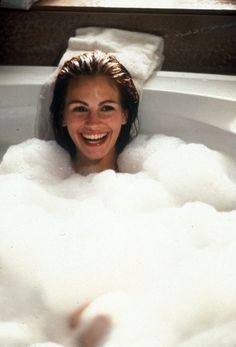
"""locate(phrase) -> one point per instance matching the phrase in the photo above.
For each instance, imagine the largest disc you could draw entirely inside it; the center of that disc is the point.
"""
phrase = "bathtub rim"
(169, 81)
(170, 88)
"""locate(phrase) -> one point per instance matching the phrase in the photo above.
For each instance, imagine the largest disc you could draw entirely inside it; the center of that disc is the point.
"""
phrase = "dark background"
(196, 40)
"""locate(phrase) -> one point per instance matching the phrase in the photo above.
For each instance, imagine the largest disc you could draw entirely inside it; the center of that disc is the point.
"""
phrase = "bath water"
(151, 248)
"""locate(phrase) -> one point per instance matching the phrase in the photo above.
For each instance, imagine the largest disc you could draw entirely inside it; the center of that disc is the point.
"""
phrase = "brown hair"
(92, 64)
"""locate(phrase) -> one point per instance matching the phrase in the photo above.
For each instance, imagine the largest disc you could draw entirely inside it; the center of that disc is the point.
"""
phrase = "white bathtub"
(196, 107)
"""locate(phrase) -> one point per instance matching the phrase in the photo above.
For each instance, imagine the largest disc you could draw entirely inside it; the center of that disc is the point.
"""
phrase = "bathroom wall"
(195, 40)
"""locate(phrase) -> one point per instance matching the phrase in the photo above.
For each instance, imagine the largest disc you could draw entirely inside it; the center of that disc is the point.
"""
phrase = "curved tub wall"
(196, 107)
(19, 93)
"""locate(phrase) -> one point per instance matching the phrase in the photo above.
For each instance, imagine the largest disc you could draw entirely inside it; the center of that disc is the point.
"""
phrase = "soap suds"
(152, 248)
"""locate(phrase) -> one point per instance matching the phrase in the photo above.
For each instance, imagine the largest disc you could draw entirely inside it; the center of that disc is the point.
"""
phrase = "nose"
(93, 118)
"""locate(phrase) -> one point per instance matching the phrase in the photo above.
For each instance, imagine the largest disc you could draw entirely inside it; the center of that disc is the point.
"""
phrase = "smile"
(94, 138)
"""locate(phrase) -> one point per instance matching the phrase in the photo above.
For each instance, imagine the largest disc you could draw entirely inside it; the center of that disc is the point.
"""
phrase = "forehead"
(99, 84)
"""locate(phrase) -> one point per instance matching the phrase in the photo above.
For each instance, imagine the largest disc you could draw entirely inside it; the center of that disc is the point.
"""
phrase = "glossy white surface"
(196, 107)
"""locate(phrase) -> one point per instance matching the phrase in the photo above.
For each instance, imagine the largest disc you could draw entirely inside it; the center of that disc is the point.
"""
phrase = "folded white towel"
(140, 53)
(20, 4)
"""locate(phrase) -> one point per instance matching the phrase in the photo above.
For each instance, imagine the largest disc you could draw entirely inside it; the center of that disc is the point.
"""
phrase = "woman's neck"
(85, 166)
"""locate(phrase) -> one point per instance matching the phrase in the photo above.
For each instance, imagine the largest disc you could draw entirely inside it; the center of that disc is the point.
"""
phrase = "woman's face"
(93, 116)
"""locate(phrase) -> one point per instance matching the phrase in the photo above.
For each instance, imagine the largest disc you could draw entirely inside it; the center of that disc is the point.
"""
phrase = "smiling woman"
(94, 117)
(94, 110)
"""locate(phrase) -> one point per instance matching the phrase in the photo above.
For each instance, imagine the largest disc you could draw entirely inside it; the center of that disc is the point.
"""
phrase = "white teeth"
(94, 137)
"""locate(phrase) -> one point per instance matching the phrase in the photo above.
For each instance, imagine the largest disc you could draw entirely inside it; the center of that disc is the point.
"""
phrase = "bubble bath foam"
(146, 256)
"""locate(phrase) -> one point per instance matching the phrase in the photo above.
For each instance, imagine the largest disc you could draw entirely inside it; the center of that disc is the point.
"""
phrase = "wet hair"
(93, 64)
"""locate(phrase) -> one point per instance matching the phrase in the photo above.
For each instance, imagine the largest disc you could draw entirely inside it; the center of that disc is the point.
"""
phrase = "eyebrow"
(85, 103)
(77, 102)
(109, 101)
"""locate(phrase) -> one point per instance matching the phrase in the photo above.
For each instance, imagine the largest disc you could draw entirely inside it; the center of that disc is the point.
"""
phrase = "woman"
(94, 110)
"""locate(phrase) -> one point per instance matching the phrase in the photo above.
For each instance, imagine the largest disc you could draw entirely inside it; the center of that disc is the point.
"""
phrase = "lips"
(94, 139)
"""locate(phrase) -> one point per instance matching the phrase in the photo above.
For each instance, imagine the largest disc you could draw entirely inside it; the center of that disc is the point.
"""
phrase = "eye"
(107, 108)
(79, 109)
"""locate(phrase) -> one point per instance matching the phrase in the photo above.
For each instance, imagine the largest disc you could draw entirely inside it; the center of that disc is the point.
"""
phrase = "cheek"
(116, 127)
(117, 122)
(71, 121)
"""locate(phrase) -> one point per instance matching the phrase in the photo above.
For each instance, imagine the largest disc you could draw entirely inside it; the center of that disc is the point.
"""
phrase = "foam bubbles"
(191, 172)
(151, 251)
